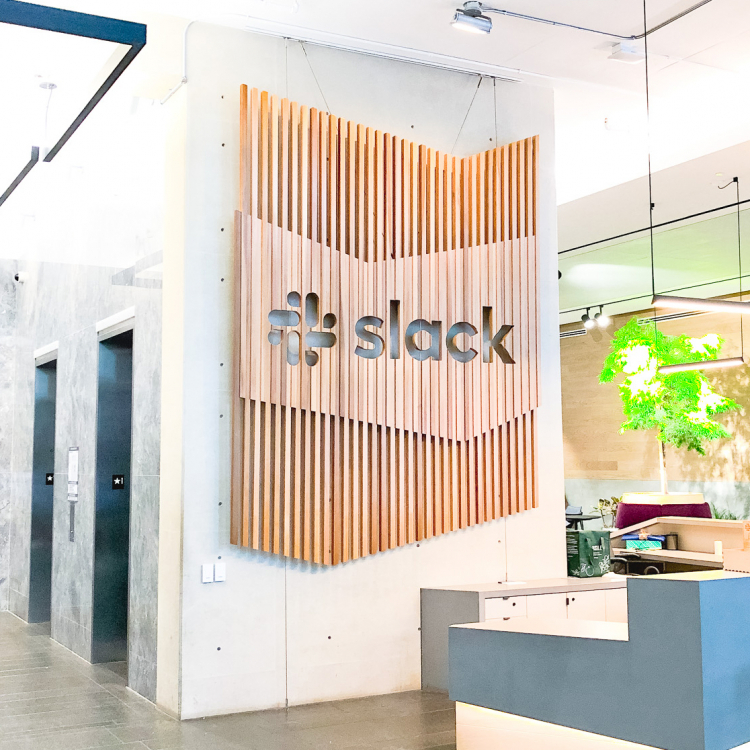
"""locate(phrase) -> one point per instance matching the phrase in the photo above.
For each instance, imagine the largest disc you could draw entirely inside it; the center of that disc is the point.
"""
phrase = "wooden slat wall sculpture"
(337, 456)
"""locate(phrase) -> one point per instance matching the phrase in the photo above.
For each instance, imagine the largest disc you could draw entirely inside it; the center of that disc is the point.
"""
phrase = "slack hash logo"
(291, 319)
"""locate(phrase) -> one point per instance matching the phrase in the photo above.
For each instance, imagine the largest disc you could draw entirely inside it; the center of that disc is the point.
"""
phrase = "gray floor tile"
(52, 700)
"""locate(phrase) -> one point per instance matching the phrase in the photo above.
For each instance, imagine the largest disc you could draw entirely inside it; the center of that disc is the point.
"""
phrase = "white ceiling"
(712, 34)
(601, 130)
(700, 117)
(29, 58)
(693, 253)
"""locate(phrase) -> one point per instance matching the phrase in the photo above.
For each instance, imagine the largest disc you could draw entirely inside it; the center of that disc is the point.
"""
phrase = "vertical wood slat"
(409, 222)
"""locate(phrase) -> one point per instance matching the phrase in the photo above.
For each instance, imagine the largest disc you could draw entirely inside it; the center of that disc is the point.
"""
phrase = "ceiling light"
(693, 303)
(627, 52)
(711, 364)
(587, 320)
(470, 18)
(602, 320)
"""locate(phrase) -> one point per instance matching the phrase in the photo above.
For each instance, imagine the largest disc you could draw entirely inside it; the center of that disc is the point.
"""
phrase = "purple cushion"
(629, 514)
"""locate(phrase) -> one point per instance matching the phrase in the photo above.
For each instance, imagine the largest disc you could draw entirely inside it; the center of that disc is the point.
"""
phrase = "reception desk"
(602, 598)
(676, 676)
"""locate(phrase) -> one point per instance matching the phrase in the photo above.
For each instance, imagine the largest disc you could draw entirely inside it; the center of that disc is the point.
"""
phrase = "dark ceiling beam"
(42, 17)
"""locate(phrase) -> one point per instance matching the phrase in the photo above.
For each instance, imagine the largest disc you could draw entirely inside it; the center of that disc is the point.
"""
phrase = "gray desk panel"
(648, 689)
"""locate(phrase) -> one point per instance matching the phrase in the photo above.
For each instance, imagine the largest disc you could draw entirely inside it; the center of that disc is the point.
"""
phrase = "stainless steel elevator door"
(112, 526)
(42, 492)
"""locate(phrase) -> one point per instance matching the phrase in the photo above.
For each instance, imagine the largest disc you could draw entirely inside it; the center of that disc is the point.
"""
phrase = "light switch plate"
(207, 573)
(220, 572)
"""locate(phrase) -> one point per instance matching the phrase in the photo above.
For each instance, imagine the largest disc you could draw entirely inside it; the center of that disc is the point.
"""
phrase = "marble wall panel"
(7, 362)
(75, 426)
(63, 302)
(21, 464)
(144, 560)
(5, 490)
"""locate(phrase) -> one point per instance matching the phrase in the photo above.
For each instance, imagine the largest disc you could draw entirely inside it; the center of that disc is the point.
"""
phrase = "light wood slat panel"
(238, 495)
(317, 406)
(350, 456)
(409, 365)
(382, 312)
(421, 290)
(347, 209)
(453, 413)
(400, 387)
(354, 362)
(370, 295)
(309, 208)
(434, 484)
(335, 192)
(439, 406)
(389, 251)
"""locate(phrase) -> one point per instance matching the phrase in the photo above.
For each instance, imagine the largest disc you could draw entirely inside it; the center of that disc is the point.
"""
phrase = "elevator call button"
(118, 481)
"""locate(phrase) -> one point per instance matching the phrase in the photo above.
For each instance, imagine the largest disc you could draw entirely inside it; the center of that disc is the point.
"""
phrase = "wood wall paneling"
(336, 456)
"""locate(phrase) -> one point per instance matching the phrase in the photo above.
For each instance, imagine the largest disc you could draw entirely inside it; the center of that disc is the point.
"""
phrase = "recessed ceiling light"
(627, 52)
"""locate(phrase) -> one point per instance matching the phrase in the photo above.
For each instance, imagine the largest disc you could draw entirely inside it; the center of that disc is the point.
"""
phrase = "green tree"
(680, 406)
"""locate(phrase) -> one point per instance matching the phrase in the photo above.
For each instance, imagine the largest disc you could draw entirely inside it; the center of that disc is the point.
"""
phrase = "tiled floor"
(52, 700)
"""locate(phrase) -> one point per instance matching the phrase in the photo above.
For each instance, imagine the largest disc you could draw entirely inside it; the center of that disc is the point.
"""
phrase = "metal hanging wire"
(648, 149)
(466, 116)
(736, 182)
(317, 82)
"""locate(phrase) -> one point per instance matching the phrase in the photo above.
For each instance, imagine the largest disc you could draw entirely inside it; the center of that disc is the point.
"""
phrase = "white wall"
(289, 631)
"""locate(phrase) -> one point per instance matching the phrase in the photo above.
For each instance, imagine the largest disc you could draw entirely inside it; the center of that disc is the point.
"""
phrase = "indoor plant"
(608, 507)
(678, 406)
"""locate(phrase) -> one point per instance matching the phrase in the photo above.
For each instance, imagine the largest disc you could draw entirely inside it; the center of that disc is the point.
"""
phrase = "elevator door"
(42, 488)
(112, 531)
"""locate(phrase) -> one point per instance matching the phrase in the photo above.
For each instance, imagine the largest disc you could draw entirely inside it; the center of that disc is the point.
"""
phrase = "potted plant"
(608, 507)
(679, 407)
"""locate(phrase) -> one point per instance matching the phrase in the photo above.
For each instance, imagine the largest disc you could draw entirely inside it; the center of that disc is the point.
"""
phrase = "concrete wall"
(601, 462)
(281, 631)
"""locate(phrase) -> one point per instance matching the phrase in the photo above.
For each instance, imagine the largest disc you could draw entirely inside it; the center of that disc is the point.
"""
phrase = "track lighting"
(602, 320)
(470, 18)
(691, 303)
(711, 364)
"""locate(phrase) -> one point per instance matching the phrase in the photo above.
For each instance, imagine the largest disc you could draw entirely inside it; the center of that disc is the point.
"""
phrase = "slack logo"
(372, 345)
(291, 318)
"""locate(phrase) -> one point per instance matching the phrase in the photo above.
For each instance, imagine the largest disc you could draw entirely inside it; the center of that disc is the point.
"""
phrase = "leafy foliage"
(724, 514)
(608, 507)
(679, 406)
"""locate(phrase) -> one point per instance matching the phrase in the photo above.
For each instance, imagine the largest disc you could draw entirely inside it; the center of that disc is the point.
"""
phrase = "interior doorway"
(42, 492)
(112, 524)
